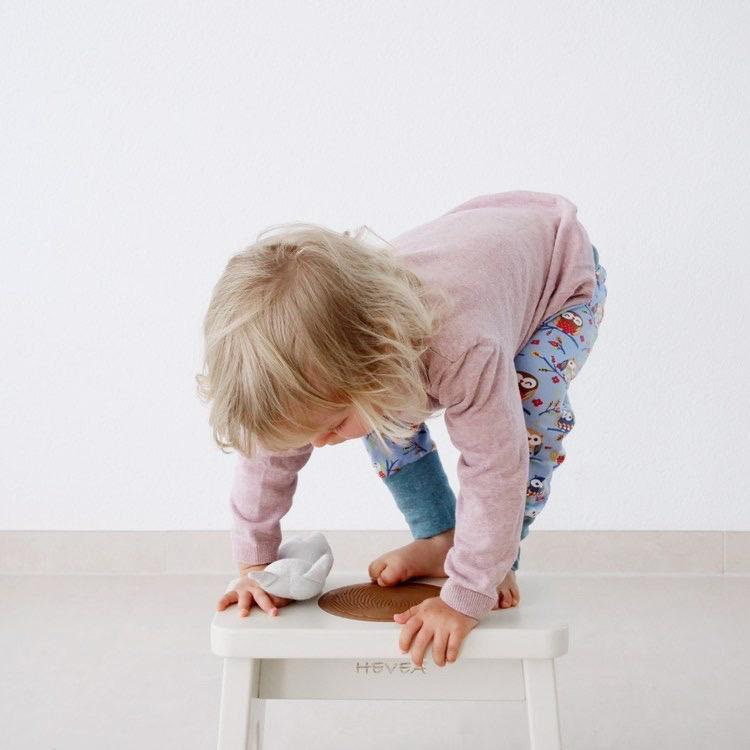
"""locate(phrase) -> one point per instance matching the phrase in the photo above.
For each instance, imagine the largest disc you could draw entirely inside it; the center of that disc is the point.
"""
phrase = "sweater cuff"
(246, 552)
(467, 601)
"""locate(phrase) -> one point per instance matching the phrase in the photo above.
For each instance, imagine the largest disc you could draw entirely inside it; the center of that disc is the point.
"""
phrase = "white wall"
(144, 143)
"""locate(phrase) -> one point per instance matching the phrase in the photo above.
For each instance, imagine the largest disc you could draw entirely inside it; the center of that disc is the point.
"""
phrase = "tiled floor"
(125, 662)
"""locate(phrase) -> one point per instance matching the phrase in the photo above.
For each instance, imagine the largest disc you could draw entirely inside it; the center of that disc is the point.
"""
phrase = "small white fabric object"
(301, 569)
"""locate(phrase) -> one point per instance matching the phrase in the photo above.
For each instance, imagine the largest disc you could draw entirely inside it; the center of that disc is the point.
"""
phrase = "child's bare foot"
(420, 558)
(508, 592)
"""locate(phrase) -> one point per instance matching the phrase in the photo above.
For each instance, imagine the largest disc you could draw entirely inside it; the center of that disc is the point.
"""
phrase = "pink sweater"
(509, 260)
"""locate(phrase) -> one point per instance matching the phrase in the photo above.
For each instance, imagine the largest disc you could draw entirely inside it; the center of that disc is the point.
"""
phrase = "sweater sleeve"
(261, 495)
(484, 418)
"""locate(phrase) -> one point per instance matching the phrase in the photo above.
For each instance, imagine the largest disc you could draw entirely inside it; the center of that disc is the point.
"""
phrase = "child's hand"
(244, 591)
(433, 620)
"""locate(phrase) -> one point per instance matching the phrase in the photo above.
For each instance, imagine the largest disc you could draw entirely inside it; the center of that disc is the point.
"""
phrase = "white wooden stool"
(305, 652)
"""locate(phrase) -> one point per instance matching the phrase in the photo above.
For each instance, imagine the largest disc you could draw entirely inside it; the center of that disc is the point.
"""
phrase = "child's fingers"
(454, 643)
(264, 601)
(244, 602)
(279, 601)
(244, 598)
(229, 598)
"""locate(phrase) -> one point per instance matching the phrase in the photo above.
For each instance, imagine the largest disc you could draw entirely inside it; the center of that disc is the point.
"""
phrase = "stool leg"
(541, 704)
(240, 715)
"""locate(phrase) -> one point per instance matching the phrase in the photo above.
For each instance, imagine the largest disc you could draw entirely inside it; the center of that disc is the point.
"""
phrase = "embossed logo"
(388, 668)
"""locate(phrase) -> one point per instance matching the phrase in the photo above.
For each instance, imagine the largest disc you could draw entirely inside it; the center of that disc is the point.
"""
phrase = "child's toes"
(390, 576)
(386, 571)
(376, 568)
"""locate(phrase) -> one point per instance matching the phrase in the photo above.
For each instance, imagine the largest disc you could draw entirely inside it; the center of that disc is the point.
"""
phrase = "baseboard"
(208, 552)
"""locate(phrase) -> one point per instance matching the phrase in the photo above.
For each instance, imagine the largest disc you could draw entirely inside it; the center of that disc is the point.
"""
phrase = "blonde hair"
(312, 318)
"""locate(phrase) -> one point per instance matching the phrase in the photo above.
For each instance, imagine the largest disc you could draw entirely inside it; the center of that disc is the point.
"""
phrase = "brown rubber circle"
(369, 601)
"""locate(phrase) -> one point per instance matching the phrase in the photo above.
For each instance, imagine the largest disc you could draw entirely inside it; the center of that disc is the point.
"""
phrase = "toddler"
(485, 314)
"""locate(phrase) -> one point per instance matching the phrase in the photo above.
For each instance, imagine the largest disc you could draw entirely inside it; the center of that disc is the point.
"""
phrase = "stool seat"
(304, 630)
(308, 653)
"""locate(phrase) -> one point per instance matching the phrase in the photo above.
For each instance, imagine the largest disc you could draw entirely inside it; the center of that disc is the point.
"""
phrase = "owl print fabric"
(419, 444)
(545, 367)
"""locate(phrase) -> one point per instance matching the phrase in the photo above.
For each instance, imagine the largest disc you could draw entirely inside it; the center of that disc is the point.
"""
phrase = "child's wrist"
(257, 566)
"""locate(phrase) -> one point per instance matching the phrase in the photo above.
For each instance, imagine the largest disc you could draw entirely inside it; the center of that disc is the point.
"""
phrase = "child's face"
(334, 429)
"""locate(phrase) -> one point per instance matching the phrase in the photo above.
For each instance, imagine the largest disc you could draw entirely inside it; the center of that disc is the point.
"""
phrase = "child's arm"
(261, 495)
(484, 418)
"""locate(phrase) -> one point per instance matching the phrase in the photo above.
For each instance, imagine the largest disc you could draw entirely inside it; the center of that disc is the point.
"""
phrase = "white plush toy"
(301, 569)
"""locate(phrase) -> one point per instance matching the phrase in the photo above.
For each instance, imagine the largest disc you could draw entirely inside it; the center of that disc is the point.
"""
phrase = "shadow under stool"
(307, 653)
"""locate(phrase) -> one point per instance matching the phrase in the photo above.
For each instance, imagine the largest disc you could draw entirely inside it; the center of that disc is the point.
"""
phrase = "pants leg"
(545, 367)
(415, 477)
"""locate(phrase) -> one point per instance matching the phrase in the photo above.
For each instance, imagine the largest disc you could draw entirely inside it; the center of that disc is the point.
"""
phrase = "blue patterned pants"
(545, 366)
